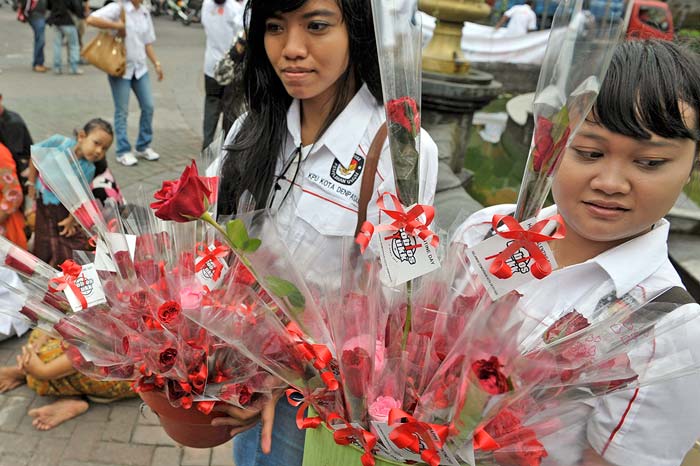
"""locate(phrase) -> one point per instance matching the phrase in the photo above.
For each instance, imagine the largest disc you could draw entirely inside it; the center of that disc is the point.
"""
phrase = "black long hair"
(250, 161)
(642, 91)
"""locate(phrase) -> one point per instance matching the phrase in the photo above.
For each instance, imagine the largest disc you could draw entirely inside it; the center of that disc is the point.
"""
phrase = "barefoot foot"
(49, 416)
(10, 377)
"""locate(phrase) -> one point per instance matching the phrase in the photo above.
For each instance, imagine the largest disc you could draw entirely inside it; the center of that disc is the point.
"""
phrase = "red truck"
(648, 18)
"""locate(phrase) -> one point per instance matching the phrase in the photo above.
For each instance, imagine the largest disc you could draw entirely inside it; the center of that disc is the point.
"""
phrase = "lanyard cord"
(296, 154)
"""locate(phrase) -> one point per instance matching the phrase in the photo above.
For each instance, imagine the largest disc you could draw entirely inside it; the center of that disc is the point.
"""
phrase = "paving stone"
(196, 457)
(97, 413)
(125, 454)
(13, 461)
(12, 412)
(17, 445)
(148, 417)
(151, 435)
(166, 456)
(49, 452)
(120, 424)
(84, 440)
(222, 455)
(24, 392)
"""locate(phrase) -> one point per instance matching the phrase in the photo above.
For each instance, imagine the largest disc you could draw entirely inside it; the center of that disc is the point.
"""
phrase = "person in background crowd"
(61, 17)
(521, 19)
(11, 217)
(35, 14)
(139, 38)
(14, 134)
(222, 21)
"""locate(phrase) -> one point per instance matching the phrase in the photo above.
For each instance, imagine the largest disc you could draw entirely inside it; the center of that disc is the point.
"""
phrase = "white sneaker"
(148, 154)
(127, 159)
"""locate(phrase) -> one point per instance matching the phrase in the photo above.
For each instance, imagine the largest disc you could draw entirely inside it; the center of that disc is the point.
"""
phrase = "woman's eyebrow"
(320, 12)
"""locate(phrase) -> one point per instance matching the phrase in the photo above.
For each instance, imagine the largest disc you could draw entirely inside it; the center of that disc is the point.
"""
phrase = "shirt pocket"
(327, 214)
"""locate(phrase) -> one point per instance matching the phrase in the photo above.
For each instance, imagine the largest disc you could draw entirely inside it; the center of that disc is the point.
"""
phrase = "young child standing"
(620, 176)
(56, 233)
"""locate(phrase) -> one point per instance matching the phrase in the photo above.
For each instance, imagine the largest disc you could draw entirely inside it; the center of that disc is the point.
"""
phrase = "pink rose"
(379, 410)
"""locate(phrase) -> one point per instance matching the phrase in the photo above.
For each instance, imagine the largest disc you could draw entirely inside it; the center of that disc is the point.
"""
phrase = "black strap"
(676, 295)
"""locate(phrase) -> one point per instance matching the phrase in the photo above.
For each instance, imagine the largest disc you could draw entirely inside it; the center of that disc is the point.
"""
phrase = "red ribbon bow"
(409, 433)
(296, 398)
(350, 433)
(526, 239)
(408, 221)
(71, 272)
(214, 255)
(319, 355)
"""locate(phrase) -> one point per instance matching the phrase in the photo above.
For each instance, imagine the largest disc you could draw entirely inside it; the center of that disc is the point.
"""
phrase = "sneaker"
(127, 159)
(78, 72)
(148, 154)
(40, 69)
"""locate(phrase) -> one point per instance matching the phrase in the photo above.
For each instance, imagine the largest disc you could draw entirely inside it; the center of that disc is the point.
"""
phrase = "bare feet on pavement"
(10, 378)
(49, 416)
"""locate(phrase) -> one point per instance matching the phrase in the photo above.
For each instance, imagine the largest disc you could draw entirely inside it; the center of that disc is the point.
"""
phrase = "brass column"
(444, 52)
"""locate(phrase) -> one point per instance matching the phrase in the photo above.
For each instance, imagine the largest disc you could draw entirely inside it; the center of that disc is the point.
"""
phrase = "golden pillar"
(444, 52)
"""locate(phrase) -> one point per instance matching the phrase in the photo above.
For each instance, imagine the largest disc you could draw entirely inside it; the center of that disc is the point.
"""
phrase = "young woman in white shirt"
(315, 104)
(620, 176)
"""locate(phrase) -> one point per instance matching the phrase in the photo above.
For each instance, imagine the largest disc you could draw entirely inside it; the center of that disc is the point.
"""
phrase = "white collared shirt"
(221, 25)
(655, 425)
(325, 193)
(139, 33)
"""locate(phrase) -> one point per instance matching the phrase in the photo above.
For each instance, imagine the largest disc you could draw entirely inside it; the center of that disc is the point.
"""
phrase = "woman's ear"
(80, 135)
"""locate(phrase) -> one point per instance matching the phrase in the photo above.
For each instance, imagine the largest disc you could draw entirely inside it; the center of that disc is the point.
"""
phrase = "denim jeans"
(121, 89)
(38, 25)
(71, 34)
(287, 441)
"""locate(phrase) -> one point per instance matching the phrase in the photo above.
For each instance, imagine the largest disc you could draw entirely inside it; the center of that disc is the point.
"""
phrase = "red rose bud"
(356, 370)
(544, 145)
(185, 199)
(404, 111)
(169, 312)
(565, 326)
(491, 379)
(29, 314)
(24, 266)
(84, 214)
(166, 359)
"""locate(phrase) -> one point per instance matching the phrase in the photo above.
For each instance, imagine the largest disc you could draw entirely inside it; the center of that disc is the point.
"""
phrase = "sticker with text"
(405, 257)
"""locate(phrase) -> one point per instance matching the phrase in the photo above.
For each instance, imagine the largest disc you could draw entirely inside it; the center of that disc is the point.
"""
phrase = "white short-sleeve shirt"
(139, 33)
(221, 24)
(654, 425)
(325, 193)
(521, 19)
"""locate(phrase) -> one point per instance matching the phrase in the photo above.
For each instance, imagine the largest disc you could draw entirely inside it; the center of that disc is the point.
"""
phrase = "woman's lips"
(605, 210)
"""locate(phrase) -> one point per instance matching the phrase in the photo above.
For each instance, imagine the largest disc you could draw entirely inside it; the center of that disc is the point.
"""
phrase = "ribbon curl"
(346, 435)
(409, 221)
(410, 433)
(525, 239)
(296, 399)
(318, 355)
(71, 272)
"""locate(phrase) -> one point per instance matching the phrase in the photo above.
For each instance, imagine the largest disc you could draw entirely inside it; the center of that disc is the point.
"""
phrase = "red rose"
(242, 275)
(23, 265)
(543, 143)
(356, 370)
(166, 359)
(404, 111)
(503, 424)
(29, 314)
(522, 449)
(565, 326)
(491, 379)
(169, 312)
(237, 392)
(147, 270)
(185, 199)
(139, 301)
(122, 260)
(85, 214)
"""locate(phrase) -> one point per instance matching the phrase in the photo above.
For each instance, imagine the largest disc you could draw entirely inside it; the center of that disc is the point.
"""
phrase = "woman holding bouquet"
(315, 105)
(619, 177)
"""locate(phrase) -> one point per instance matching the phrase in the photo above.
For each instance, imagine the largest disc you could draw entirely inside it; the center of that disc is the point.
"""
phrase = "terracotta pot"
(188, 427)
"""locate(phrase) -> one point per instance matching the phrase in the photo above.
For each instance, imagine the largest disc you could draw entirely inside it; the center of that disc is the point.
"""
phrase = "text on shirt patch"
(347, 176)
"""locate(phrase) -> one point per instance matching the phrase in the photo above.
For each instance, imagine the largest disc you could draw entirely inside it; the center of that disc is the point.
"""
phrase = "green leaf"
(284, 289)
(252, 245)
(237, 233)
(296, 299)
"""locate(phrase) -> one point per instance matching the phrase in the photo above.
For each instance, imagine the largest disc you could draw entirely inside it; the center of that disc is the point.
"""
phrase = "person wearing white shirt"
(222, 21)
(619, 177)
(315, 105)
(521, 19)
(139, 36)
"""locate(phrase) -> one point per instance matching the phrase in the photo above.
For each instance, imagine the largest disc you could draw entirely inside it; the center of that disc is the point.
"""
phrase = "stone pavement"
(115, 434)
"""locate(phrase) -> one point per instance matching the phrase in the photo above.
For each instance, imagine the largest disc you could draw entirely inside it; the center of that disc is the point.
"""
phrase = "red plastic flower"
(242, 275)
(169, 312)
(166, 359)
(565, 326)
(547, 150)
(237, 392)
(356, 370)
(491, 379)
(404, 111)
(522, 449)
(503, 424)
(185, 199)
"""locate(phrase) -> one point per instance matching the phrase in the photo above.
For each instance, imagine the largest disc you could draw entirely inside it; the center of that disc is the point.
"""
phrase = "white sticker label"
(103, 261)
(90, 286)
(405, 257)
(482, 255)
(213, 270)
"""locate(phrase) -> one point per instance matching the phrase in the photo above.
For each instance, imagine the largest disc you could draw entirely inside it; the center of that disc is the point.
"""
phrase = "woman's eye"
(588, 154)
(273, 27)
(651, 163)
(318, 26)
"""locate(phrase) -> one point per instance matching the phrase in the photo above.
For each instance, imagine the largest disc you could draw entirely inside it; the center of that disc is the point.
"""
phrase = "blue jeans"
(71, 34)
(121, 89)
(287, 441)
(38, 25)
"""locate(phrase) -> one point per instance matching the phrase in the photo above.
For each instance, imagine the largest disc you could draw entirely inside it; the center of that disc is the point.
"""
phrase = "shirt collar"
(346, 132)
(128, 6)
(633, 261)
